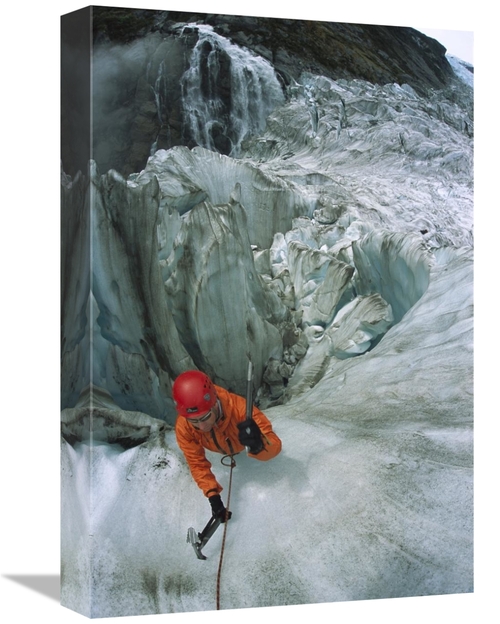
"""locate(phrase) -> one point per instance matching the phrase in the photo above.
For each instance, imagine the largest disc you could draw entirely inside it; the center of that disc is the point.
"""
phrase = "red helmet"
(193, 393)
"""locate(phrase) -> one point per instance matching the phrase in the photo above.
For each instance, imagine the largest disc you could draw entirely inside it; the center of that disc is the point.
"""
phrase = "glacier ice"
(336, 251)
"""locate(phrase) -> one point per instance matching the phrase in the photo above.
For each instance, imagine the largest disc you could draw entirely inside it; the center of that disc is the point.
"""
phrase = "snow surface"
(371, 256)
(464, 70)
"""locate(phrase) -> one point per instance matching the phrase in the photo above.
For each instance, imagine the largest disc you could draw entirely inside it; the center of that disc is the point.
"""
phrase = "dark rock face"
(378, 54)
(138, 105)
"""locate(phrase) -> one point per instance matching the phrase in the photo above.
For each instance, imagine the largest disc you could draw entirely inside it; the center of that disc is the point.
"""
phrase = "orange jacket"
(223, 438)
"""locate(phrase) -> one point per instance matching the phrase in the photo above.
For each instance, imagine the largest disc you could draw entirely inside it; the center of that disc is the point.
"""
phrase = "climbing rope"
(231, 465)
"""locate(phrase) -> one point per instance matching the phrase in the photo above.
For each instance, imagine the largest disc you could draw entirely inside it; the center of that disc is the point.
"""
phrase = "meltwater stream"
(228, 92)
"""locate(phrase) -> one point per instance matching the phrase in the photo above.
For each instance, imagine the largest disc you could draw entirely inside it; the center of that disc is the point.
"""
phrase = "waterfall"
(227, 92)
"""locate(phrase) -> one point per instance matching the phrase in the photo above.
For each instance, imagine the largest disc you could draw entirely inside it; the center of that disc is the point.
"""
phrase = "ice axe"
(249, 397)
(249, 432)
(249, 391)
(198, 541)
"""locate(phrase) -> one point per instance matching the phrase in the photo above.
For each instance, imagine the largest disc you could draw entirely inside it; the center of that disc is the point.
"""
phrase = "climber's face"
(206, 422)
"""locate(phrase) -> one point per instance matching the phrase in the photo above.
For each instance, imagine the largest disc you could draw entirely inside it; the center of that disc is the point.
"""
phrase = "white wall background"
(30, 309)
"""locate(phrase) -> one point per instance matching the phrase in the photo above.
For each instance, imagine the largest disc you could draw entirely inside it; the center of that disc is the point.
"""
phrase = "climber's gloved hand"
(218, 509)
(250, 436)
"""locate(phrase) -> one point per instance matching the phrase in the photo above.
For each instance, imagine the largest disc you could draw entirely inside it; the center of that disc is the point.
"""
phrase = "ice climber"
(210, 417)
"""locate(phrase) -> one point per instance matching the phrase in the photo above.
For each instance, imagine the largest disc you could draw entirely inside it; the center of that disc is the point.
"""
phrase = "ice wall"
(341, 214)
